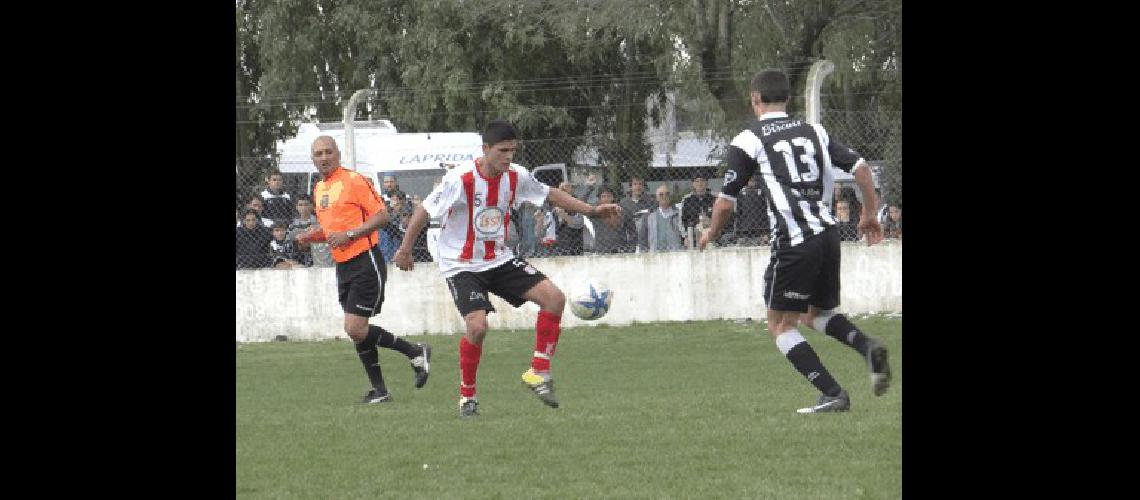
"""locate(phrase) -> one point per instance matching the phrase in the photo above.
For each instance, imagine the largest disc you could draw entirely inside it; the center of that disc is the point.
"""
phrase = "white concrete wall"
(723, 283)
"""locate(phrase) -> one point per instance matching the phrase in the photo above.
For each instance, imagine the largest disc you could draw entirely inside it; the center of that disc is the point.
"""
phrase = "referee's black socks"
(389, 341)
(371, 359)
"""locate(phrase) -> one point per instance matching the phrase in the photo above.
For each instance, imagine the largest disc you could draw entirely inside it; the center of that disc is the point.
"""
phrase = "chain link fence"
(682, 170)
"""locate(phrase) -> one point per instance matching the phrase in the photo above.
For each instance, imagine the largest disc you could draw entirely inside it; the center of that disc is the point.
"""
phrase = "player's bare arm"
(722, 210)
(562, 200)
(403, 255)
(868, 222)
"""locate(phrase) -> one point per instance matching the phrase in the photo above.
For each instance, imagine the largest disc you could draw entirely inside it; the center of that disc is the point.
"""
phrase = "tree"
(550, 67)
(565, 72)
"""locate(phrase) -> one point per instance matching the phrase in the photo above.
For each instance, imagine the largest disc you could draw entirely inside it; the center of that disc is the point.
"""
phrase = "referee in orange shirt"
(350, 211)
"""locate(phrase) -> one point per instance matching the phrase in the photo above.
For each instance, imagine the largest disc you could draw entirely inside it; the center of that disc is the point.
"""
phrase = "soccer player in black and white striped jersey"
(794, 161)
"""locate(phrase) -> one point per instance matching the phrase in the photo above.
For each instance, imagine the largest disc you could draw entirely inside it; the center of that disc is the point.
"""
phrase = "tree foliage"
(558, 69)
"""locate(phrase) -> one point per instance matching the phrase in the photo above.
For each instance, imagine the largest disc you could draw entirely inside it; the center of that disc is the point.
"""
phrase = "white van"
(415, 158)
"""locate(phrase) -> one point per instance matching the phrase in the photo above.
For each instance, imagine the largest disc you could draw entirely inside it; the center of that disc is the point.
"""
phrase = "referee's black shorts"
(360, 283)
(805, 274)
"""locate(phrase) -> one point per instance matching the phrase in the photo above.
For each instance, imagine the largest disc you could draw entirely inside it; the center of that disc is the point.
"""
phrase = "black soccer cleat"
(880, 368)
(422, 365)
(468, 407)
(829, 404)
(374, 396)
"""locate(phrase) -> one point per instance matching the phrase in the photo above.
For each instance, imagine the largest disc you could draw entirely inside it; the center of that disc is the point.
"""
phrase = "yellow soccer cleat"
(541, 387)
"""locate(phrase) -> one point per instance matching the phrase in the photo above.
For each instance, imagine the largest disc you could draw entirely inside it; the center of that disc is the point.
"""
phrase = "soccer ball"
(590, 300)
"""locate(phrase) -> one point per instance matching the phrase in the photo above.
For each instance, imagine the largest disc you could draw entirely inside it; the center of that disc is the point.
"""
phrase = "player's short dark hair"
(249, 211)
(303, 197)
(273, 173)
(606, 189)
(280, 225)
(498, 131)
(772, 85)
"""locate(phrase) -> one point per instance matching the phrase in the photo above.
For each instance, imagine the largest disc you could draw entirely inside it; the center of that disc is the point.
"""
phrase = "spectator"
(589, 192)
(660, 228)
(254, 203)
(847, 193)
(278, 203)
(313, 254)
(390, 237)
(252, 243)
(524, 218)
(609, 231)
(848, 231)
(637, 201)
(392, 187)
(568, 228)
(282, 251)
(399, 231)
(751, 215)
(545, 231)
(892, 226)
(400, 205)
(420, 251)
(396, 207)
(239, 202)
(697, 203)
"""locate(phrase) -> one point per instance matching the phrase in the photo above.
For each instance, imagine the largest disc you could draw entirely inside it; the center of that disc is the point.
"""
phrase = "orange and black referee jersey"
(344, 201)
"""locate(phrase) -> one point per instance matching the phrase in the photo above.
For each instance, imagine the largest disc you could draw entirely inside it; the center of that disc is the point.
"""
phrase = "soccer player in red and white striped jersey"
(474, 202)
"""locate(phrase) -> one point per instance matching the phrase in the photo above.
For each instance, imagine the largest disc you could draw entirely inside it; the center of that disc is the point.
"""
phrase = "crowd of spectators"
(650, 222)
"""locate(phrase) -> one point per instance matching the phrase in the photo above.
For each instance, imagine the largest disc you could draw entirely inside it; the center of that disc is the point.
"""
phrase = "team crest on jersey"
(489, 221)
(325, 201)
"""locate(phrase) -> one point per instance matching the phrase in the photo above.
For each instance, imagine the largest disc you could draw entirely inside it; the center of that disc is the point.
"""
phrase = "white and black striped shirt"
(794, 160)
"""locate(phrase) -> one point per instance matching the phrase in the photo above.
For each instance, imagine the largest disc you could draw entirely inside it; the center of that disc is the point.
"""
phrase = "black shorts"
(510, 281)
(805, 274)
(360, 283)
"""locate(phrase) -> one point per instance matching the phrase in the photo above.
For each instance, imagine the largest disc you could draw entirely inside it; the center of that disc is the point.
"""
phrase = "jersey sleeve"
(443, 196)
(741, 163)
(842, 157)
(366, 196)
(529, 188)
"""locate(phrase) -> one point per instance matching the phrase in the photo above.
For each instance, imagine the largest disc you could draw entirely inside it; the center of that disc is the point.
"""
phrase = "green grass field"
(670, 410)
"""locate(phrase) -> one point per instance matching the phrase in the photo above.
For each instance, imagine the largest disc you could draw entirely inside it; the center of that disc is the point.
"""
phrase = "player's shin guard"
(366, 349)
(389, 341)
(468, 365)
(547, 329)
(804, 358)
(840, 328)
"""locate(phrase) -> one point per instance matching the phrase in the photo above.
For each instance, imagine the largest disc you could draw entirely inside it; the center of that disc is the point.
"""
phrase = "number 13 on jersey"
(806, 159)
